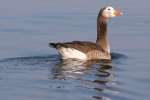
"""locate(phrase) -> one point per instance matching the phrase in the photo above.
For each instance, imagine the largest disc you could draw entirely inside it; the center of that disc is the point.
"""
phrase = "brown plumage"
(92, 50)
(98, 50)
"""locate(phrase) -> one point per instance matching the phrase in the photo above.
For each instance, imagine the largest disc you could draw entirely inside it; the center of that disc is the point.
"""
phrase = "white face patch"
(108, 12)
(67, 53)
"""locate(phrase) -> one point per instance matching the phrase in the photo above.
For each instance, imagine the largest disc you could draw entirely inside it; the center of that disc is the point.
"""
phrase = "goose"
(85, 50)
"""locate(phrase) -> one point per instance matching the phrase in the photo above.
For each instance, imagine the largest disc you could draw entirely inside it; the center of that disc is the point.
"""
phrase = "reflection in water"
(89, 80)
(96, 75)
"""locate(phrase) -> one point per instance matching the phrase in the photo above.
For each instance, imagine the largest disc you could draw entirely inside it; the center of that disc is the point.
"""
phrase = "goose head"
(109, 12)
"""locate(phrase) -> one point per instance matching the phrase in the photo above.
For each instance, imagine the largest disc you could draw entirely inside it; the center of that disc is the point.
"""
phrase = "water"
(30, 70)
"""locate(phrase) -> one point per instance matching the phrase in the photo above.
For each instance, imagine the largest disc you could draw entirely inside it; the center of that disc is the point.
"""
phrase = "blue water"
(30, 70)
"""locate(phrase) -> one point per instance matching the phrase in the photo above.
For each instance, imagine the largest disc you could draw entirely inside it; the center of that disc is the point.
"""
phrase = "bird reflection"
(95, 74)
(76, 68)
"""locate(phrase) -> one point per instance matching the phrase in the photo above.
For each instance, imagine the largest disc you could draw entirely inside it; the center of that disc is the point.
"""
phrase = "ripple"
(96, 79)
(116, 56)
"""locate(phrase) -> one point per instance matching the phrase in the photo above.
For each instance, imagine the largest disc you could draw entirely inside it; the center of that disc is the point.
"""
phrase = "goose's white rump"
(67, 53)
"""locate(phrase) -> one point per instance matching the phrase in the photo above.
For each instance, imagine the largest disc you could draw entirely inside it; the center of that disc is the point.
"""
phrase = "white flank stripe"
(67, 53)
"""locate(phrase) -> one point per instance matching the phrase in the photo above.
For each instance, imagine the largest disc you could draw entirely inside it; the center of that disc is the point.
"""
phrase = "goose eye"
(108, 9)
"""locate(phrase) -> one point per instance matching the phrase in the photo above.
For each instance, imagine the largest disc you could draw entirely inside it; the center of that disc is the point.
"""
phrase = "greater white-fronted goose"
(84, 50)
